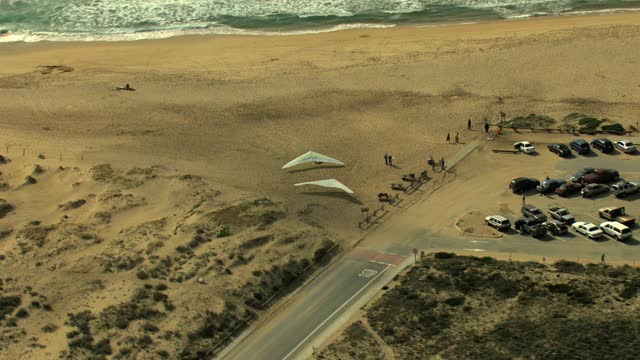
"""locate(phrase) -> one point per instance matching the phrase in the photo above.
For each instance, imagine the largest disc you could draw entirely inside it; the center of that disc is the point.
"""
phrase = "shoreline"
(22, 57)
(21, 38)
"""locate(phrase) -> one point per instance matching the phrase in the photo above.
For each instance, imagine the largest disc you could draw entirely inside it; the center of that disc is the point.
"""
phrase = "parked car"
(616, 230)
(524, 146)
(601, 176)
(556, 227)
(531, 226)
(626, 146)
(568, 188)
(533, 212)
(499, 222)
(582, 173)
(523, 184)
(617, 214)
(602, 144)
(549, 185)
(592, 190)
(561, 150)
(561, 214)
(587, 229)
(624, 188)
(580, 146)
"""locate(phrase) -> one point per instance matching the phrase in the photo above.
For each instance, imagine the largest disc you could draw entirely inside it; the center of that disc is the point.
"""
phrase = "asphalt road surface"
(316, 306)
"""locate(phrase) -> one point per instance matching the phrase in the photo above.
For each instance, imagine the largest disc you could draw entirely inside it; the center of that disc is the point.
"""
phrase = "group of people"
(469, 127)
(388, 159)
(449, 138)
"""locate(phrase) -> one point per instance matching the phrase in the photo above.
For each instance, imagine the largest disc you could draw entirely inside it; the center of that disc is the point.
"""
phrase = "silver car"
(626, 146)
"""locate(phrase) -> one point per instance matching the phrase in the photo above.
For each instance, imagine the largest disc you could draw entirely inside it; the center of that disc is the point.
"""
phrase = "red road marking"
(377, 256)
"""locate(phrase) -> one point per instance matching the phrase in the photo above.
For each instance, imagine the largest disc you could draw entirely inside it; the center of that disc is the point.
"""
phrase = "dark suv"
(531, 226)
(523, 184)
(604, 145)
(561, 150)
(533, 212)
(580, 146)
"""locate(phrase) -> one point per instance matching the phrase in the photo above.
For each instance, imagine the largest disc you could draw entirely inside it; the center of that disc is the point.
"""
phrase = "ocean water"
(34, 20)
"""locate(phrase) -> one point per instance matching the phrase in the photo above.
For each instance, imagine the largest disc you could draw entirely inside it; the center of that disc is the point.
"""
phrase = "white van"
(615, 229)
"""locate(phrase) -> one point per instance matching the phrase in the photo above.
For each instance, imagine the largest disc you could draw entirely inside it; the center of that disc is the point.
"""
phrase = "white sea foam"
(163, 34)
(118, 20)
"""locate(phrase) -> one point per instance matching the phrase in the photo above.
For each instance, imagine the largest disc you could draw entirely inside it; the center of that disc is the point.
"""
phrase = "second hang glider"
(312, 157)
(330, 183)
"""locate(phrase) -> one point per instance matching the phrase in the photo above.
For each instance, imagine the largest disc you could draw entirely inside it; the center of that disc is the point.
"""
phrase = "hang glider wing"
(312, 157)
(330, 183)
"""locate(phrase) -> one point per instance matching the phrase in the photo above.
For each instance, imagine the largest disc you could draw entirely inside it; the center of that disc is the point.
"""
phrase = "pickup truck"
(533, 212)
(561, 214)
(625, 188)
(556, 227)
(617, 214)
(530, 226)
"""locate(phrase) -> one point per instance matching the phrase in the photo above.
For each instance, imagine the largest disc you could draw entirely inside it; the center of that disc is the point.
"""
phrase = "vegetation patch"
(592, 125)
(463, 307)
(8, 304)
(355, 343)
(530, 121)
(5, 208)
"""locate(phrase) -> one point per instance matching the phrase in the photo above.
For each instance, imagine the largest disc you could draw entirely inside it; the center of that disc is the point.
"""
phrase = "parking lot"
(482, 185)
(583, 209)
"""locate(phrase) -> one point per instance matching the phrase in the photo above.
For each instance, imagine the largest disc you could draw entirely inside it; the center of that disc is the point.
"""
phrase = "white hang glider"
(312, 157)
(330, 183)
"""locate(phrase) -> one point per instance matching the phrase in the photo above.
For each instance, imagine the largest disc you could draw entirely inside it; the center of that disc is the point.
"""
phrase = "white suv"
(616, 230)
(498, 221)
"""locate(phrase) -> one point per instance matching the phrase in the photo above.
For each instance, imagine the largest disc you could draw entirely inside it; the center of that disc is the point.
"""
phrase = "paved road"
(316, 306)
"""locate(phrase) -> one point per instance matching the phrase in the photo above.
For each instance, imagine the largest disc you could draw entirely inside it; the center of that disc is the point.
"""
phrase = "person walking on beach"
(469, 124)
(386, 159)
(448, 138)
(524, 199)
(602, 259)
(457, 138)
(442, 164)
(390, 160)
(486, 127)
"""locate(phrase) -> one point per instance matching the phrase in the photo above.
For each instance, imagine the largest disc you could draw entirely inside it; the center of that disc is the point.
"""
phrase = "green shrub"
(49, 328)
(150, 327)
(144, 341)
(8, 304)
(22, 313)
(224, 232)
(570, 267)
(443, 255)
(614, 128)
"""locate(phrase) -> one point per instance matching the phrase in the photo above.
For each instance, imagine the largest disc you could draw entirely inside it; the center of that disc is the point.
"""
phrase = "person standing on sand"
(457, 138)
(386, 159)
(602, 259)
(486, 127)
(524, 199)
(390, 160)
(469, 124)
(448, 138)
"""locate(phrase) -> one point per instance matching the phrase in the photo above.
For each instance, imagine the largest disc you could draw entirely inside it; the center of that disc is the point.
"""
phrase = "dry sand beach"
(182, 179)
